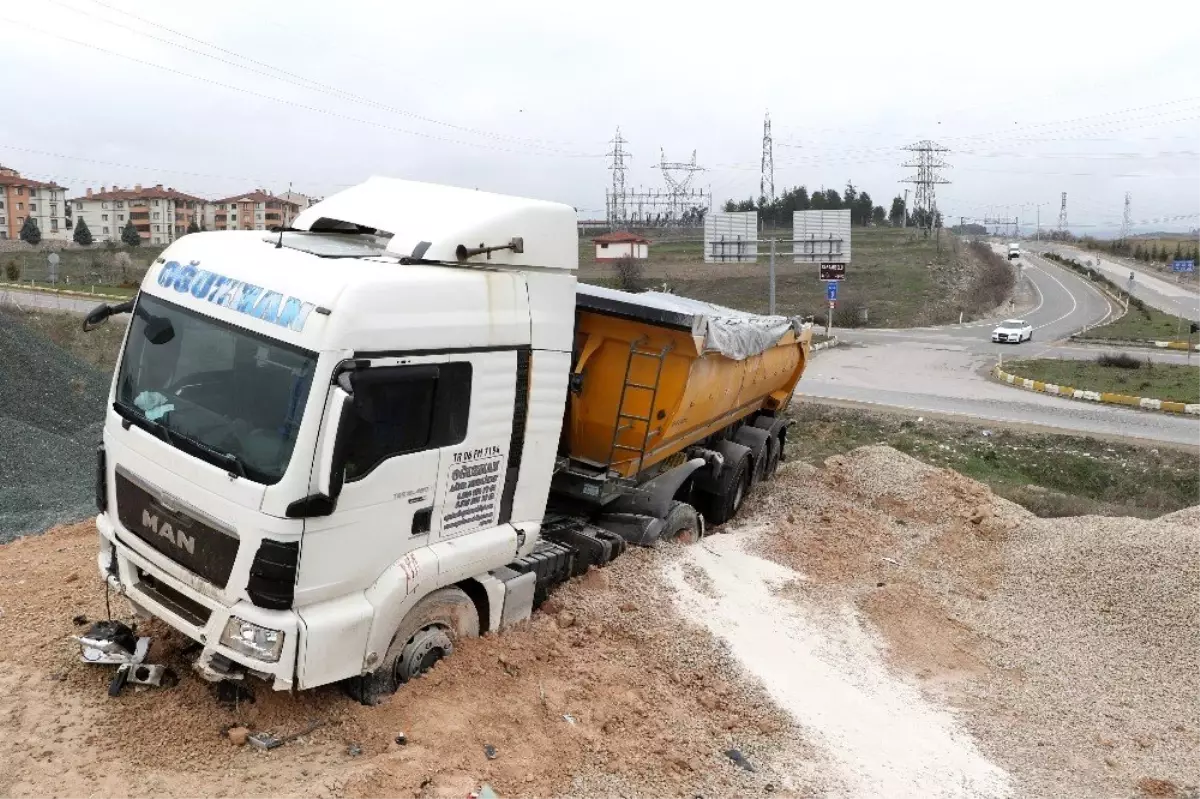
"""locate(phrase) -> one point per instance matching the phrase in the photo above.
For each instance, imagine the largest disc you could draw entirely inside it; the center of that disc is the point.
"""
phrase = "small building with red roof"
(621, 244)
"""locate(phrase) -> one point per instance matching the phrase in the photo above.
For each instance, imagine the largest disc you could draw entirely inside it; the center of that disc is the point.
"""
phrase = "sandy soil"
(653, 705)
(873, 627)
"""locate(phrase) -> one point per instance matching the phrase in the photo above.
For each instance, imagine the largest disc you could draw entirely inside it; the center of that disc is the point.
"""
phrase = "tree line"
(863, 210)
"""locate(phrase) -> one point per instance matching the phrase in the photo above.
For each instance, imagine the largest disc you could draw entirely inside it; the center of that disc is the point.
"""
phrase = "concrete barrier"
(824, 345)
(1133, 342)
(1145, 403)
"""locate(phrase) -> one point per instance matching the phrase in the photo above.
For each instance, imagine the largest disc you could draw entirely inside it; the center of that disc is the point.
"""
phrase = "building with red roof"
(621, 244)
(24, 198)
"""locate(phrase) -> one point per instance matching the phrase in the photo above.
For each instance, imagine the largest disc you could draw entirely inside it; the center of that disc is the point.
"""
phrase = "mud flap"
(636, 528)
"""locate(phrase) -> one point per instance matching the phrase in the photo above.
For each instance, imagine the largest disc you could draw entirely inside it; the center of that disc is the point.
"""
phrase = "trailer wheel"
(426, 635)
(682, 524)
(722, 505)
(772, 465)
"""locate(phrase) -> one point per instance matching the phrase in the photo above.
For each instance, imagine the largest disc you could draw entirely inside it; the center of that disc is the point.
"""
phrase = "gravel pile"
(1100, 617)
(51, 415)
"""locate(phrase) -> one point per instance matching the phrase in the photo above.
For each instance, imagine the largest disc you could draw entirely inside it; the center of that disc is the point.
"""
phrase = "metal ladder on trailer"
(627, 420)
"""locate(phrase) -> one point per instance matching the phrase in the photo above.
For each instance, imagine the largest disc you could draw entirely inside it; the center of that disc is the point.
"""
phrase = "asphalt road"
(1155, 291)
(944, 369)
(48, 301)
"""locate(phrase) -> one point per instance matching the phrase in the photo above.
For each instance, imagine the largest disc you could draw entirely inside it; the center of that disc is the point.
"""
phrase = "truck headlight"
(250, 639)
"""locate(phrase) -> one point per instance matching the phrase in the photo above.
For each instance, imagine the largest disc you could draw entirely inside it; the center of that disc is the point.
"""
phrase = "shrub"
(629, 274)
(13, 270)
(1118, 360)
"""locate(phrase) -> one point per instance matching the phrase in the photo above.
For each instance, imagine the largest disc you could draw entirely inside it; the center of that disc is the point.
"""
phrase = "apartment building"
(159, 214)
(25, 198)
(256, 210)
(302, 201)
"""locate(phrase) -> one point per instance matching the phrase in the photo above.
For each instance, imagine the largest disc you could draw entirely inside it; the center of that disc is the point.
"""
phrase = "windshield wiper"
(231, 462)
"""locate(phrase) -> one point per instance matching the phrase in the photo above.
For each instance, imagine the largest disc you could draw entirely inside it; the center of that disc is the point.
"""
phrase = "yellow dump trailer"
(660, 381)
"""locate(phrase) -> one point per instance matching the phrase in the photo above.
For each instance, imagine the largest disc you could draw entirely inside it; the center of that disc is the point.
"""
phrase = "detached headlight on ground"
(250, 639)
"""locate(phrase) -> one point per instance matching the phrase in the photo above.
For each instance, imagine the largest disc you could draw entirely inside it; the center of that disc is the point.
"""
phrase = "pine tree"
(130, 236)
(31, 234)
(83, 236)
(193, 227)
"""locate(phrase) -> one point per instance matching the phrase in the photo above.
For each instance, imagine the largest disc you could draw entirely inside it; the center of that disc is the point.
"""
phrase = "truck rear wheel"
(682, 524)
(773, 453)
(722, 505)
(427, 634)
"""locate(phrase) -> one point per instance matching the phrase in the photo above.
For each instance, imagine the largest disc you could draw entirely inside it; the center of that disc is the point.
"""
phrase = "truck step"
(551, 562)
(594, 546)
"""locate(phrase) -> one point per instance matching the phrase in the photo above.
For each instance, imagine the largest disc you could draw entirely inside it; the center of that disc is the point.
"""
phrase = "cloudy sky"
(1032, 98)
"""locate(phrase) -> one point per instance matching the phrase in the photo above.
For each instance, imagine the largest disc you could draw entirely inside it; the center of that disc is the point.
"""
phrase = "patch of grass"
(898, 276)
(98, 264)
(1145, 324)
(99, 348)
(86, 288)
(1051, 475)
(1164, 381)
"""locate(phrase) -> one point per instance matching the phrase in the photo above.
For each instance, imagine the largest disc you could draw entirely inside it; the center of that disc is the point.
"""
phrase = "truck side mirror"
(99, 315)
(331, 460)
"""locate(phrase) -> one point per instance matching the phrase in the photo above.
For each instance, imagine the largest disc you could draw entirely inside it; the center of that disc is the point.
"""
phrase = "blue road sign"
(1183, 266)
(831, 290)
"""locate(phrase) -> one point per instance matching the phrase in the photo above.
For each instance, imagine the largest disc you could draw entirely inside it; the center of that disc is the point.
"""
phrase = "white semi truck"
(330, 451)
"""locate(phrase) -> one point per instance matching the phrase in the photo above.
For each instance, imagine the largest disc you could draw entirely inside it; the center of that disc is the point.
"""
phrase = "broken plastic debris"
(739, 759)
(567, 717)
(489, 751)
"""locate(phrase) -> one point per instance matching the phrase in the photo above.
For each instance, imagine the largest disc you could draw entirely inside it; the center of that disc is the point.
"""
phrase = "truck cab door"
(404, 411)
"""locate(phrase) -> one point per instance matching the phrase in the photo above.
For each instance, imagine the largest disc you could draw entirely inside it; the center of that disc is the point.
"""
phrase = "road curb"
(824, 345)
(64, 292)
(1108, 398)
(1134, 342)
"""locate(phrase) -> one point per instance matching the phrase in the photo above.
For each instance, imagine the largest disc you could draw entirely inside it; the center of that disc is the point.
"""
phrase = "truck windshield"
(221, 393)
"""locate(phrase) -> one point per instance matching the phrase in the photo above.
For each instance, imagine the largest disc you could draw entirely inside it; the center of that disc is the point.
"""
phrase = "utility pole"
(904, 217)
(1126, 219)
(1062, 218)
(927, 164)
(617, 212)
(766, 181)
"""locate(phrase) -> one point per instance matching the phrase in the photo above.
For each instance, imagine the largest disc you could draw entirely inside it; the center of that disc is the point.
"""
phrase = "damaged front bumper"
(190, 605)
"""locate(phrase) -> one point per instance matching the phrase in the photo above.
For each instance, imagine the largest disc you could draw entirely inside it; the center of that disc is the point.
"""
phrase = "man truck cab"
(292, 411)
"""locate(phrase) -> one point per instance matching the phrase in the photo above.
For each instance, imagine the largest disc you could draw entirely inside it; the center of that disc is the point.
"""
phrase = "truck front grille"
(196, 545)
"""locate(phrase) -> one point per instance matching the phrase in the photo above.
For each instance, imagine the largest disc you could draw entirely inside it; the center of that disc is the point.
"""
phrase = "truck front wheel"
(427, 634)
(682, 524)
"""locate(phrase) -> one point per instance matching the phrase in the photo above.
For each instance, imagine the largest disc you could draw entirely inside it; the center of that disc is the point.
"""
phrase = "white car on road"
(1013, 331)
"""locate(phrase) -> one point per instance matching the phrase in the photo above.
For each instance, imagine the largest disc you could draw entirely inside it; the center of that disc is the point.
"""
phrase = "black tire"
(773, 455)
(682, 524)
(426, 635)
(721, 506)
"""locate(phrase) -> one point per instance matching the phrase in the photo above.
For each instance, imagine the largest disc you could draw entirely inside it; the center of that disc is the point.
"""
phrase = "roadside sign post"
(53, 259)
(831, 291)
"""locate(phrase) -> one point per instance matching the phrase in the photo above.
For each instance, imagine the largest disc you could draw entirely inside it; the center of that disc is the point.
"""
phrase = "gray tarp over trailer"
(735, 334)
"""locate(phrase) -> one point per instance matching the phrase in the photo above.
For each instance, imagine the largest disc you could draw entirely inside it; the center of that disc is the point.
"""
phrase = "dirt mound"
(1072, 644)
(606, 692)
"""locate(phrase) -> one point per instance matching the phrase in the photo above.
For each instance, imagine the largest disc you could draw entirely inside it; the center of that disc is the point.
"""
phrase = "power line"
(294, 104)
(283, 75)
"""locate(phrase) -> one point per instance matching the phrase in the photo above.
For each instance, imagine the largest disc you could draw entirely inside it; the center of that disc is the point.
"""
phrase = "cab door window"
(405, 409)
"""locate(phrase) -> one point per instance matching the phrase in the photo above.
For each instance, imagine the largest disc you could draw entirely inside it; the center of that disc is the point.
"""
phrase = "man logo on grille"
(177, 537)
